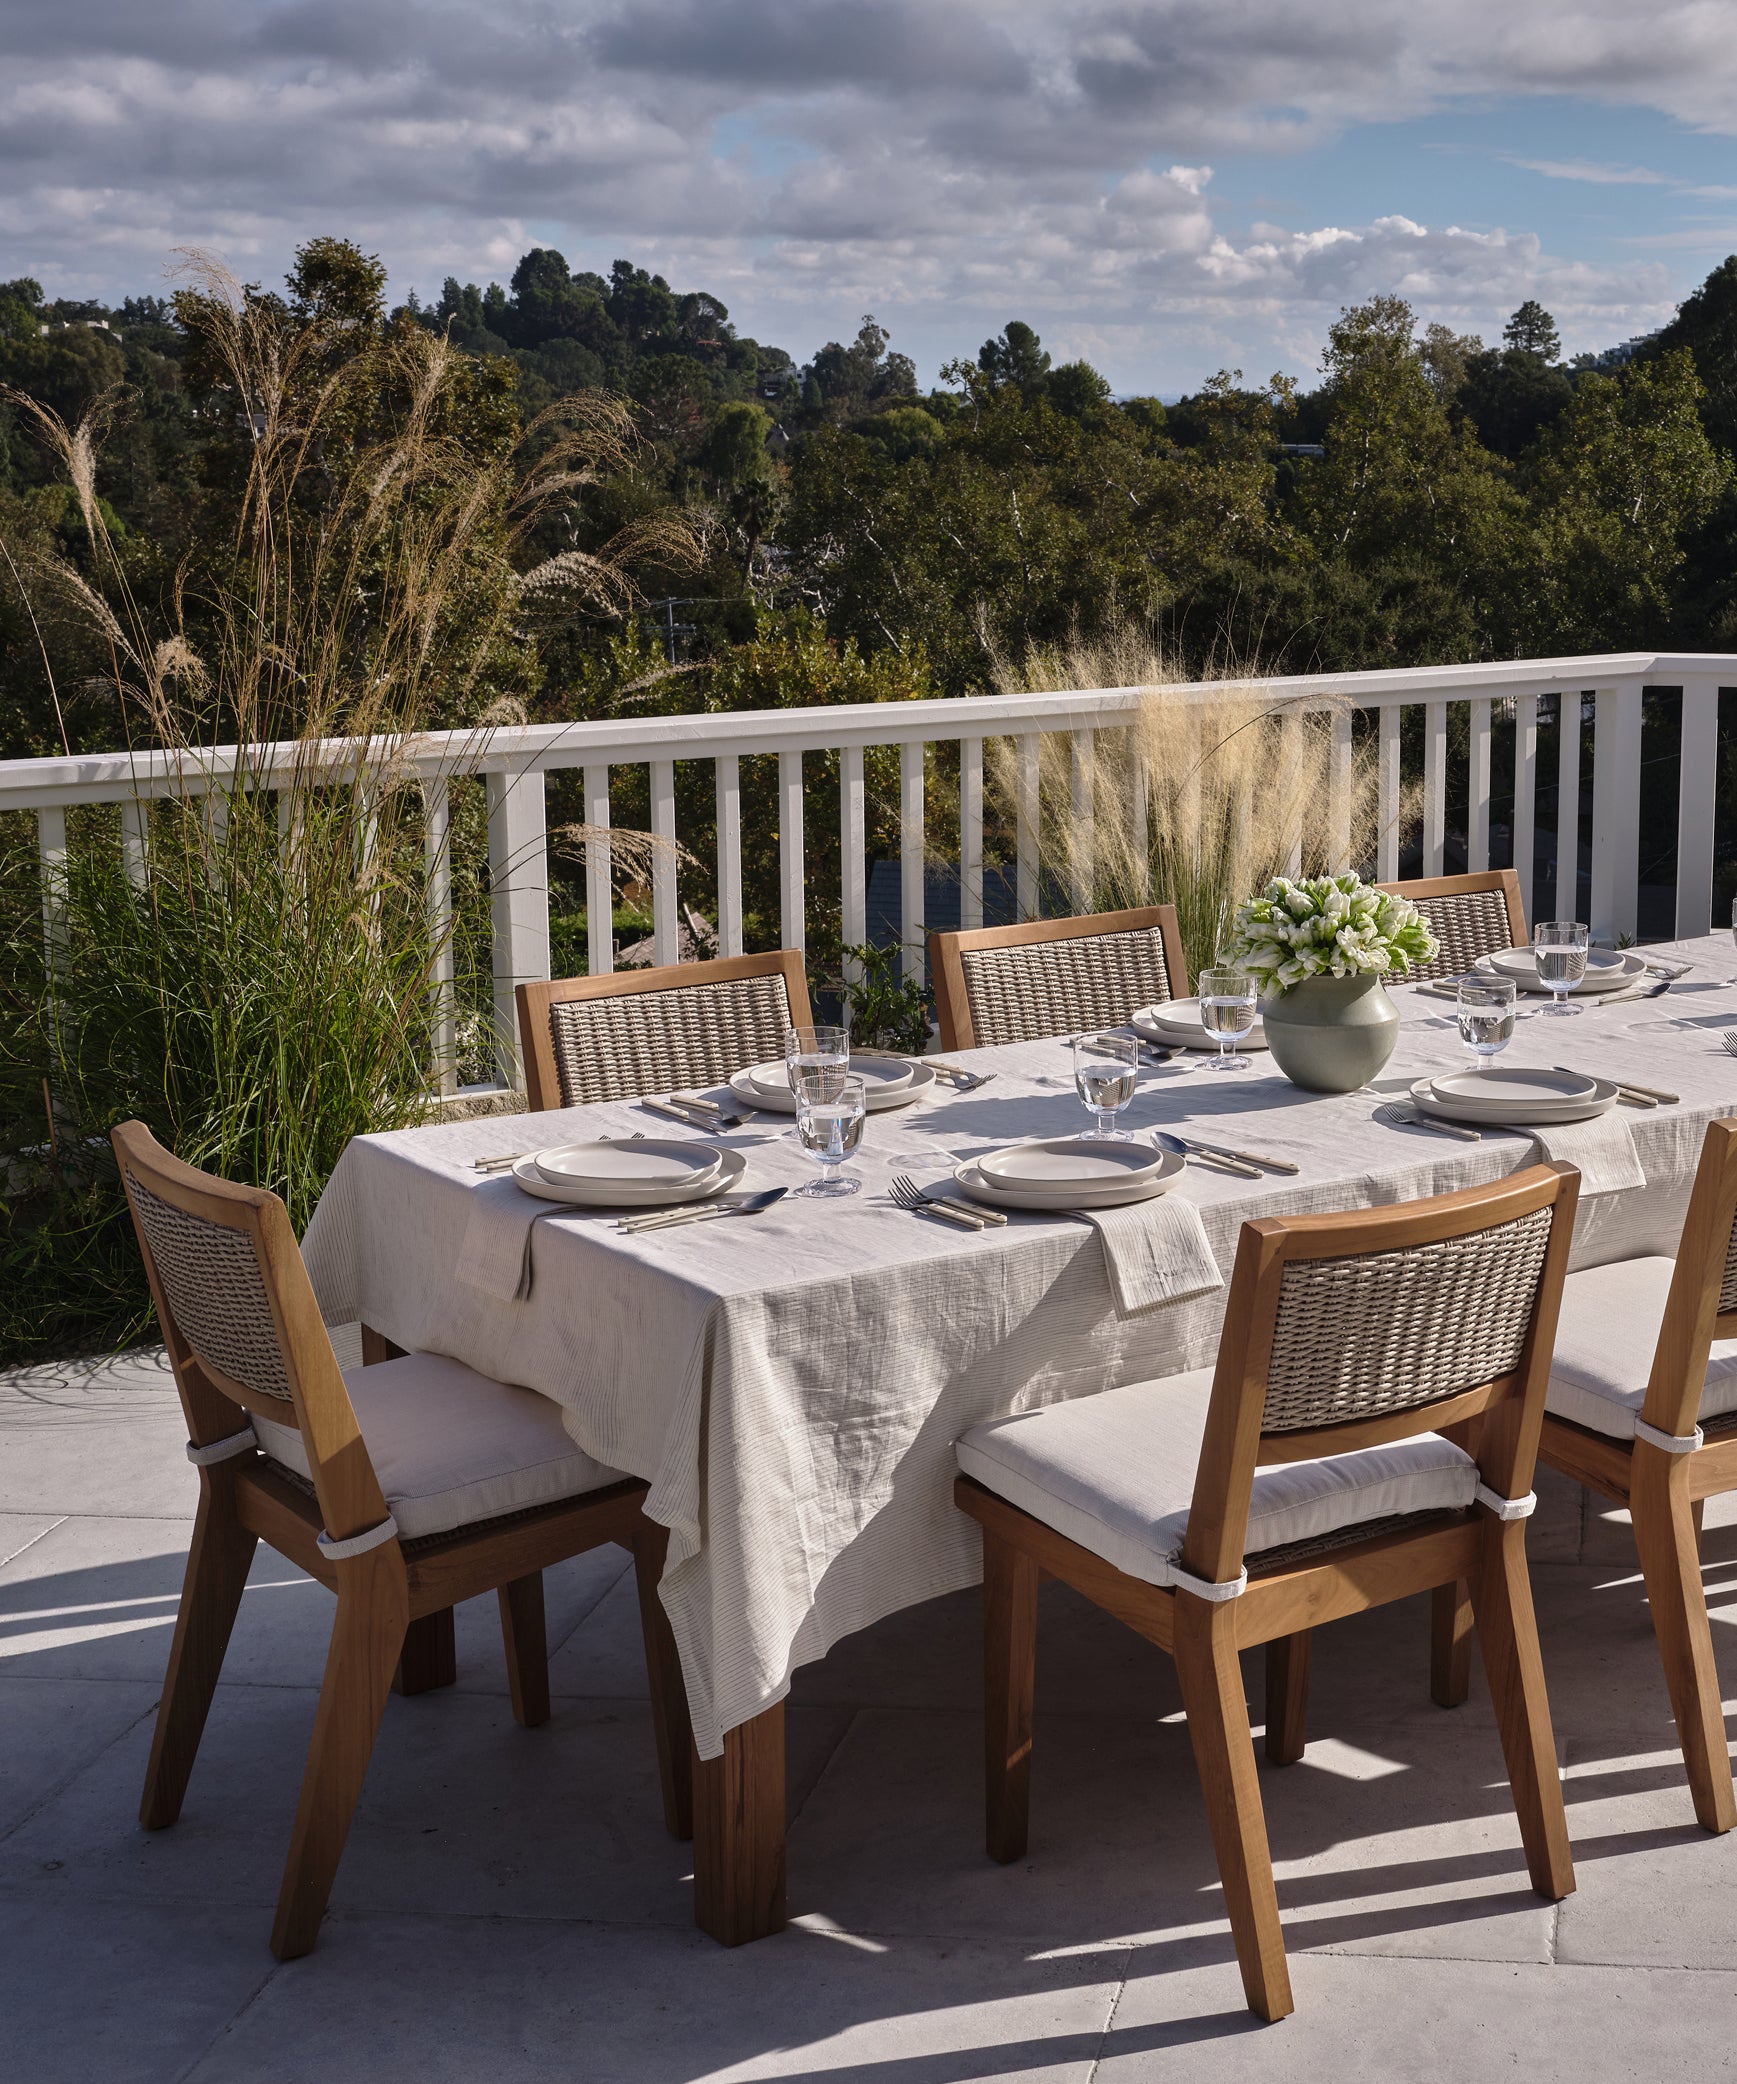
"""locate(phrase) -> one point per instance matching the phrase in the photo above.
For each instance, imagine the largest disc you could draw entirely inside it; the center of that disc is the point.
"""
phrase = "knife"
(668, 1219)
(1213, 1150)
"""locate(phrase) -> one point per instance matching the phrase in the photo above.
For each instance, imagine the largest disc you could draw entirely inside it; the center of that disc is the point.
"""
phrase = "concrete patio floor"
(510, 1907)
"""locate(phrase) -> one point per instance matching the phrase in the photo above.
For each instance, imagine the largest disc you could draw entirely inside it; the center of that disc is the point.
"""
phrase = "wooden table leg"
(739, 1833)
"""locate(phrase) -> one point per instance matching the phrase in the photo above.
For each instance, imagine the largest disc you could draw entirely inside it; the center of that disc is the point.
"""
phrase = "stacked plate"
(1177, 1021)
(1065, 1172)
(645, 1172)
(1515, 1097)
(1607, 969)
(888, 1081)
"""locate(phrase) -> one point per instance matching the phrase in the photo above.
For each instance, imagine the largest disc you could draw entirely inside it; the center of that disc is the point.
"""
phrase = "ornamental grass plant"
(263, 977)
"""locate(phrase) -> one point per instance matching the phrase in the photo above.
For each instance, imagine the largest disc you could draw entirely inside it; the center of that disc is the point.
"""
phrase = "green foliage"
(884, 1009)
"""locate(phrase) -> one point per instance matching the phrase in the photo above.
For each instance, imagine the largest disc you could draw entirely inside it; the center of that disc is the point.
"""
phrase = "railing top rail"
(118, 777)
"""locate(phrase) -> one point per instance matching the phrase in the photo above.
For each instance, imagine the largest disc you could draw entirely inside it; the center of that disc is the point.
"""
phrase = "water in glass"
(815, 1059)
(829, 1128)
(1486, 1013)
(1106, 1071)
(1227, 1012)
(1559, 948)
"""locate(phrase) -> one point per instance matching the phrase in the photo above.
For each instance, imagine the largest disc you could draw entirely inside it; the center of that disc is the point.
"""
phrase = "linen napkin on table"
(1602, 1148)
(1154, 1252)
(497, 1236)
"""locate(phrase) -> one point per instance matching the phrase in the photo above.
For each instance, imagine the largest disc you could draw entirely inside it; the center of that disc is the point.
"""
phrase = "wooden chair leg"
(1010, 1582)
(1700, 1515)
(373, 1613)
(1450, 1644)
(739, 1833)
(217, 1566)
(1514, 1670)
(669, 1693)
(1288, 1696)
(430, 1655)
(1665, 1535)
(1212, 1695)
(525, 1633)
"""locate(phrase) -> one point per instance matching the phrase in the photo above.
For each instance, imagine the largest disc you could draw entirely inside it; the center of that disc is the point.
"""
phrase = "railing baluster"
(1616, 762)
(1082, 847)
(135, 815)
(791, 905)
(599, 877)
(665, 925)
(1387, 795)
(1339, 793)
(1434, 788)
(51, 854)
(970, 832)
(1697, 785)
(1027, 811)
(1567, 898)
(853, 850)
(1526, 799)
(1478, 788)
(518, 903)
(729, 781)
(911, 850)
(437, 874)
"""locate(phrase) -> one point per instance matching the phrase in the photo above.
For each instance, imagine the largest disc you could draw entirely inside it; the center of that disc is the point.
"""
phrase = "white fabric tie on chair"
(1602, 1149)
(223, 1450)
(1217, 1590)
(1507, 1508)
(358, 1544)
(1672, 1443)
(1155, 1252)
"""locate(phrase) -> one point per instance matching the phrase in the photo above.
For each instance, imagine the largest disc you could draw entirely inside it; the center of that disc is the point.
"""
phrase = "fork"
(906, 1194)
(1400, 1114)
(1729, 1040)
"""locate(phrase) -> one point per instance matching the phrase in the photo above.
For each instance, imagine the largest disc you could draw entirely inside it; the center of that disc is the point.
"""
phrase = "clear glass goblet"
(1227, 1011)
(829, 1128)
(810, 1050)
(1559, 947)
(1106, 1069)
(1486, 1011)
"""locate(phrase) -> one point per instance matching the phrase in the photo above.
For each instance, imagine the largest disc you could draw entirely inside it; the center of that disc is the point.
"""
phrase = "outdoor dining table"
(790, 1383)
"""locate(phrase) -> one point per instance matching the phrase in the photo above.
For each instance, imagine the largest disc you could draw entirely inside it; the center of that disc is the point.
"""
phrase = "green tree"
(1533, 331)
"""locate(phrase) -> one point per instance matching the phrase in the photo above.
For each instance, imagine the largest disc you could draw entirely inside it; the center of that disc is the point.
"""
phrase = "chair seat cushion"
(1115, 1472)
(1604, 1348)
(451, 1446)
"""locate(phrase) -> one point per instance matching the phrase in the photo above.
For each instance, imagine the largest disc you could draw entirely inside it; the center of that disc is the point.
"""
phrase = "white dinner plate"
(1607, 969)
(653, 1162)
(616, 1194)
(1539, 1114)
(779, 1099)
(1504, 1086)
(1070, 1161)
(1178, 1020)
(1057, 1197)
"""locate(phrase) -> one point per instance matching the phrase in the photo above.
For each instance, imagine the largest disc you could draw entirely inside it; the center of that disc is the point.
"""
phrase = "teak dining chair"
(1300, 1480)
(636, 1033)
(997, 984)
(1469, 915)
(401, 1487)
(1642, 1407)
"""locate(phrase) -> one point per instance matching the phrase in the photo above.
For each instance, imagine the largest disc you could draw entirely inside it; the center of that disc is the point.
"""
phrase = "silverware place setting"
(704, 1212)
(698, 1114)
(1633, 1095)
(1212, 1158)
(1400, 1114)
(936, 1201)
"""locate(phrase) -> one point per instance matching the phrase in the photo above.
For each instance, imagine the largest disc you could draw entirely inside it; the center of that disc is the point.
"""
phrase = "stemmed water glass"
(816, 1051)
(1486, 1010)
(1106, 1068)
(1227, 1011)
(1559, 948)
(830, 1111)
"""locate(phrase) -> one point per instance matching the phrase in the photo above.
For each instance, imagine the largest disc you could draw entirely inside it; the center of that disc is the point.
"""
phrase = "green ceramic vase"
(1331, 1034)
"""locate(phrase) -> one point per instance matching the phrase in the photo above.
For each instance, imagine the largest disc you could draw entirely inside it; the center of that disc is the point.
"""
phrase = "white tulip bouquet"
(1326, 926)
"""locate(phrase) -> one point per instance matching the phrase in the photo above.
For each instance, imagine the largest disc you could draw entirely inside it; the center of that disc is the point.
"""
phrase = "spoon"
(1188, 1151)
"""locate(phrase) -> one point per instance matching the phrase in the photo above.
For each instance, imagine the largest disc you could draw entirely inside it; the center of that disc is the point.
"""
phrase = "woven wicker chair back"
(211, 1279)
(633, 1044)
(1035, 989)
(1467, 923)
(1387, 1331)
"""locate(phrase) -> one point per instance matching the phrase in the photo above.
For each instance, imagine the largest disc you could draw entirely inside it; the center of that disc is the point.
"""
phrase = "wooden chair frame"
(1286, 1600)
(1506, 880)
(1664, 1488)
(536, 1041)
(384, 1591)
(952, 1002)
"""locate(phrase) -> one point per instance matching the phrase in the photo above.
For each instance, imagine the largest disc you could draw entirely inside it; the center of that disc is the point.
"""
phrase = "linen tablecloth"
(790, 1385)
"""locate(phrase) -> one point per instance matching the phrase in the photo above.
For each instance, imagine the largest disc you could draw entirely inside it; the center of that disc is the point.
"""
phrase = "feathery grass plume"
(1208, 792)
(265, 979)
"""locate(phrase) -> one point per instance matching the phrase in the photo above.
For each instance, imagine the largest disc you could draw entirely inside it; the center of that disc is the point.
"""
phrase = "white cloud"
(945, 166)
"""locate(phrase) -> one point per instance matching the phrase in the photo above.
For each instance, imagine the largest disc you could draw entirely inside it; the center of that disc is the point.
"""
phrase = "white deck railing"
(513, 762)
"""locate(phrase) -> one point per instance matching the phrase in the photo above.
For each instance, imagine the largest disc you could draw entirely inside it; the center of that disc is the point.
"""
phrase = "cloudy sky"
(1164, 186)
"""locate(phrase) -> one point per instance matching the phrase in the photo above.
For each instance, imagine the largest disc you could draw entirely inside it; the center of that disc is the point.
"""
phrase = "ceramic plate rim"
(1185, 1037)
(1546, 1096)
(1629, 969)
(1153, 1165)
(773, 1101)
(731, 1166)
(1601, 1102)
(697, 1168)
(973, 1183)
